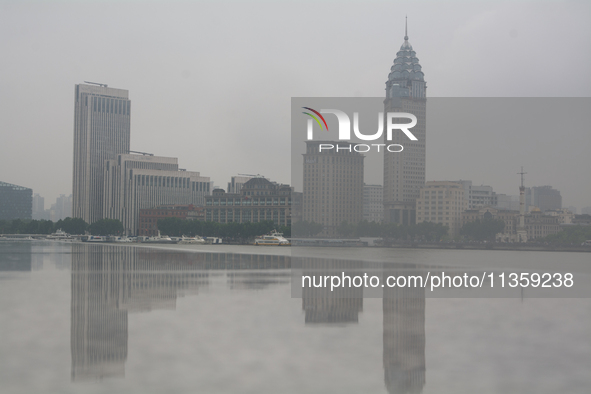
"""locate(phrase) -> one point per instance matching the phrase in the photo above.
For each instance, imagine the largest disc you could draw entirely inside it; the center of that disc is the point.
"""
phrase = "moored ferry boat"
(120, 239)
(189, 240)
(272, 239)
(59, 235)
(95, 239)
(15, 239)
(159, 240)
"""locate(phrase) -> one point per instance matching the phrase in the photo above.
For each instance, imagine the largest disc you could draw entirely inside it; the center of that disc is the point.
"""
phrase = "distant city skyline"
(211, 86)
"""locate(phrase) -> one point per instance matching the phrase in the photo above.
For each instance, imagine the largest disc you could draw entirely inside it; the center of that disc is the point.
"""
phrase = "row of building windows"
(109, 105)
(161, 181)
(248, 201)
(279, 216)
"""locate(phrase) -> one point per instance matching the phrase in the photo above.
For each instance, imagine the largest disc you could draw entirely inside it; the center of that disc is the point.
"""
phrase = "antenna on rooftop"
(253, 176)
(104, 85)
(522, 174)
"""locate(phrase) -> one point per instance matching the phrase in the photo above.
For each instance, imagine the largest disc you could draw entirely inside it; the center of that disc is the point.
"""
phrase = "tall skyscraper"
(404, 172)
(101, 132)
(333, 185)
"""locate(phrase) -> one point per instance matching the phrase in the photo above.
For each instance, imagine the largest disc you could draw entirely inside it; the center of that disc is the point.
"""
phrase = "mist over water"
(119, 319)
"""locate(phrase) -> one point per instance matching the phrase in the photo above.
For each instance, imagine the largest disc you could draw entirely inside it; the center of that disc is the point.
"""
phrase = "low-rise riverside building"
(537, 224)
(258, 200)
(511, 219)
(148, 218)
(564, 215)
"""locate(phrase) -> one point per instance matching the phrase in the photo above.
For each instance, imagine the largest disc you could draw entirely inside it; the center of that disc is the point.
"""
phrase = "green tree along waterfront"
(106, 227)
(570, 235)
(306, 229)
(18, 226)
(426, 231)
(484, 230)
(176, 227)
(71, 225)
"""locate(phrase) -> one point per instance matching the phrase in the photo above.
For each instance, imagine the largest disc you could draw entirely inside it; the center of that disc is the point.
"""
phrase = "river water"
(78, 318)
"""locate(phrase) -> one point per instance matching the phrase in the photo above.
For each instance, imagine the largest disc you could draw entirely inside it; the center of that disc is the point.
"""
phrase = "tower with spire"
(404, 172)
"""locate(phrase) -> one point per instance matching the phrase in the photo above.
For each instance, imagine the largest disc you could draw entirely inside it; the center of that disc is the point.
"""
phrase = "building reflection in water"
(16, 256)
(339, 306)
(255, 272)
(403, 316)
(404, 333)
(108, 282)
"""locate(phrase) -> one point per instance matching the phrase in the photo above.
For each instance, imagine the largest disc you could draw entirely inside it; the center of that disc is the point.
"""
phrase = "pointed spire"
(405, 28)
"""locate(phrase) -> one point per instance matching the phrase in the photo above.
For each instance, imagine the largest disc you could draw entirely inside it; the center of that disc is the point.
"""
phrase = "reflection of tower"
(16, 256)
(521, 231)
(108, 282)
(98, 327)
(404, 172)
(404, 336)
(343, 304)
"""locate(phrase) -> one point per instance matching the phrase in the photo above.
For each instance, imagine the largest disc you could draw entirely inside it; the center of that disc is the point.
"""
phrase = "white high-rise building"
(404, 172)
(478, 196)
(101, 132)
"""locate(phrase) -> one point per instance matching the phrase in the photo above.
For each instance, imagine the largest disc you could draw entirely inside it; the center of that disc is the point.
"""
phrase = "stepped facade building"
(135, 182)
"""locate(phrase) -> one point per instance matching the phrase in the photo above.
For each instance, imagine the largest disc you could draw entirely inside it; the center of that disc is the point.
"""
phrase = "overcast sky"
(211, 82)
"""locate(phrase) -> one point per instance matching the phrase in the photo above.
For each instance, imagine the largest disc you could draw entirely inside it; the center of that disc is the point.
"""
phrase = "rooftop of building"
(406, 64)
(172, 207)
(102, 90)
(14, 187)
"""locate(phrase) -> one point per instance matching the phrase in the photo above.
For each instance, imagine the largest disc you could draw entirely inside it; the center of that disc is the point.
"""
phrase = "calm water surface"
(78, 318)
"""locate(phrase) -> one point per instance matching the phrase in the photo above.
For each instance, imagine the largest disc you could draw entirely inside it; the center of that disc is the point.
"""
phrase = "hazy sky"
(211, 82)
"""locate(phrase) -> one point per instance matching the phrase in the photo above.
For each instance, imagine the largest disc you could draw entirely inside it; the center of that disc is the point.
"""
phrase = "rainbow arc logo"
(315, 118)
